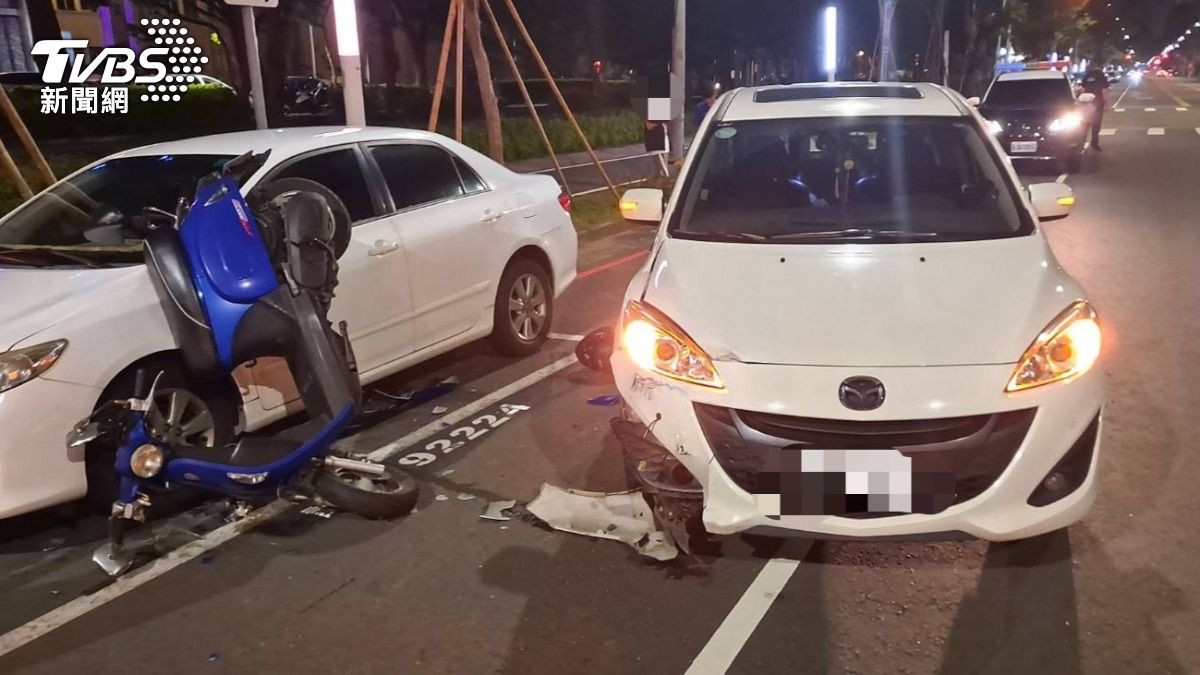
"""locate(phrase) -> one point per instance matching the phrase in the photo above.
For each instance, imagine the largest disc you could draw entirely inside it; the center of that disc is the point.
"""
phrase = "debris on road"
(495, 510)
(465, 496)
(596, 350)
(440, 410)
(622, 516)
(605, 400)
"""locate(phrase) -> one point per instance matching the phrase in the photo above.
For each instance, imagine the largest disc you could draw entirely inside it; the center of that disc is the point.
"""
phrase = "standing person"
(707, 104)
(1096, 83)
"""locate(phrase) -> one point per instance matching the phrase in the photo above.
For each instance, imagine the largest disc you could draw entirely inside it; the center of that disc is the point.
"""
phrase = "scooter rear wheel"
(391, 495)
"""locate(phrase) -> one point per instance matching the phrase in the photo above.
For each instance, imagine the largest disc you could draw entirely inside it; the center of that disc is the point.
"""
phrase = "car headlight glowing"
(22, 365)
(995, 127)
(1067, 348)
(1068, 122)
(146, 461)
(657, 344)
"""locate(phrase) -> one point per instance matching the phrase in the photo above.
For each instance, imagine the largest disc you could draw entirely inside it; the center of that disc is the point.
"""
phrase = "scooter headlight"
(1067, 348)
(22, 365)
(146, 461)
(655, 343)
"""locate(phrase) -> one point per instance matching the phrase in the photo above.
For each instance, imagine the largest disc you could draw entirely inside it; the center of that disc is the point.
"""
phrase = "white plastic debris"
(495, 510)
(440, 410)
(623, 516)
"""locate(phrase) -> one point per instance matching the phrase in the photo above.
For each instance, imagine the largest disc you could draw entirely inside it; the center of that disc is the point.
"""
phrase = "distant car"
(447, 247)
(1036, 115)
(209, 79)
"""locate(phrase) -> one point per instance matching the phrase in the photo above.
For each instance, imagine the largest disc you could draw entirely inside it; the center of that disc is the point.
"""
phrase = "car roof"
(285, 142)
(840, 99)
(1032, 75)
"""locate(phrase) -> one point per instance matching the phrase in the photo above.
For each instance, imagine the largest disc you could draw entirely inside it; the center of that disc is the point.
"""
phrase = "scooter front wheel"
(391, 495)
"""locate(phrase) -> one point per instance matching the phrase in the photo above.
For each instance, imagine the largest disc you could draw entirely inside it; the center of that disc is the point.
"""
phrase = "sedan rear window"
(59, 216)
(821, 180)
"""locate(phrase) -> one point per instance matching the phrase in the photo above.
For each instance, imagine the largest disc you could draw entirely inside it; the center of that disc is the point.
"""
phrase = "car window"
(339, 171)
(1030, 92)
(59, 216)
(817, 180)
(472, 183)
(418, 174)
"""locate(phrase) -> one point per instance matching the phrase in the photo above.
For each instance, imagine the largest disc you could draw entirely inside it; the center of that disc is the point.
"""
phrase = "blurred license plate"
(1024, 147)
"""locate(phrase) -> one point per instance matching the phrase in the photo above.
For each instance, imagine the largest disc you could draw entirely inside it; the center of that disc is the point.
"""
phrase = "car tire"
(524, 309)
(174, 387)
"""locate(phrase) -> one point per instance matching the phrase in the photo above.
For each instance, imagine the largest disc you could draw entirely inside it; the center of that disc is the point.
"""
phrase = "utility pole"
(254, 65)
(678, 79)
(887, 58)
(345, 19)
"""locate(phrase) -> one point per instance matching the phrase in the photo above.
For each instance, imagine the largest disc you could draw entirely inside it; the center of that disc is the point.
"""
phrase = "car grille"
(974, 450)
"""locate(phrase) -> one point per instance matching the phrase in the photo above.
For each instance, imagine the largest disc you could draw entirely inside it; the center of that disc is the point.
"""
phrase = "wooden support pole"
(533, 113)
(458, 74)
(537, 55)
(10, 167)
(31, 148)
(440, 85)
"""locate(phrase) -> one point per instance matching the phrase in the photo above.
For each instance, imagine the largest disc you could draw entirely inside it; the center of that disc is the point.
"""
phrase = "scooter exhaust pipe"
(370, 468)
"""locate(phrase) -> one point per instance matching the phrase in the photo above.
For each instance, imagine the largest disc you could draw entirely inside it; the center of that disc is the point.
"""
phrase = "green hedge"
(521, 140)
(204, 109)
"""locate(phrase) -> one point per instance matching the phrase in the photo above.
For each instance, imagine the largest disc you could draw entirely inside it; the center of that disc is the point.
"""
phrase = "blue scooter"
(241, 280)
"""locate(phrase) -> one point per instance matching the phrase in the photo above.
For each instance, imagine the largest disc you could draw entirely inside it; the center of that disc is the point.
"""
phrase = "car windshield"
(1025, 93)
(59, 216)
(822, 180)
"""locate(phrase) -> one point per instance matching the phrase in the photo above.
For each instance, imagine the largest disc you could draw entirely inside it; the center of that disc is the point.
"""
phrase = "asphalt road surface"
(443, 591)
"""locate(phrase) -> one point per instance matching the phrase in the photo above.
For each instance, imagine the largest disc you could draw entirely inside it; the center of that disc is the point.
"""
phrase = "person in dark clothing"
(1096, 83)
(707, 104)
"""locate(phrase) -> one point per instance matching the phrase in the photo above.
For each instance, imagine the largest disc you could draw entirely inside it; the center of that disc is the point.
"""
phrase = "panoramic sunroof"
(811, 93)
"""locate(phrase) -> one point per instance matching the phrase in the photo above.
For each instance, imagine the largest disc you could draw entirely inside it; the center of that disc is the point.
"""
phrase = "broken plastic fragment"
(623, 516)
(440, 410)
(495, 510)
(465, 496)
(442, 498)
(605, 400)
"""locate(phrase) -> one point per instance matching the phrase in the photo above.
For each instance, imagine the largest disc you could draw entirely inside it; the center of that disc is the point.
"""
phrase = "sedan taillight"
(564, 200)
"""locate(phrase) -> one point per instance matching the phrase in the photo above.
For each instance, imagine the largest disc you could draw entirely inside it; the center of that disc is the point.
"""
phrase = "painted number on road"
(458, 438)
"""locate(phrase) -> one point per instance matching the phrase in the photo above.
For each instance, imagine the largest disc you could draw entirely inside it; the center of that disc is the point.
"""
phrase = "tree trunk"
(487, 90)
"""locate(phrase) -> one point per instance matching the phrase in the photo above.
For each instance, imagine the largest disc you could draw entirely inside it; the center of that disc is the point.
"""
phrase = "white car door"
(451, 225)
(373, 295)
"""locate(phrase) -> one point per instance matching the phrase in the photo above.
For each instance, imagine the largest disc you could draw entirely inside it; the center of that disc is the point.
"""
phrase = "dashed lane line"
(1108, 132)
(1156, 131)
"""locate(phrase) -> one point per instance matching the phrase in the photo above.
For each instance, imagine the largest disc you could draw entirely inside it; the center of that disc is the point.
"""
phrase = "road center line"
(1122, 97)
(1108, 132)
(725, 644)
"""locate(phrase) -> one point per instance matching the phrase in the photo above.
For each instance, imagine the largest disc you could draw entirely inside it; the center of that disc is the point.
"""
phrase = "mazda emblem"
(862, 393)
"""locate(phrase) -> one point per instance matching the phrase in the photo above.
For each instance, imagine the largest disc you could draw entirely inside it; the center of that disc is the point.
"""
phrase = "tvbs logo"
(166, 69)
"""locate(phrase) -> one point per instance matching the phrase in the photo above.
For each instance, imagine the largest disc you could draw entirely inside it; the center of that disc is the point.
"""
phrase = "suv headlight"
(1068, 122)
(994, 127)
(1067, 348)
(655, 343)
(22, 365)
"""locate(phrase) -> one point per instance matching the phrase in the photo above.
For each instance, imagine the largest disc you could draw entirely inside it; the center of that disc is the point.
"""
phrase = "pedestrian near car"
(707, 104)
(1096, 83)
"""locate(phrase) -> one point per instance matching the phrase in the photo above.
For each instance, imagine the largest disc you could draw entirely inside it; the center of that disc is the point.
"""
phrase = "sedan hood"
(896, 305)
(36, 300)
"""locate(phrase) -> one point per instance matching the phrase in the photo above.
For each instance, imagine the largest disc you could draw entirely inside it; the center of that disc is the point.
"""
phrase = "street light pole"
(887, 56)
(255, 67)
(345, 17)
(678, 79)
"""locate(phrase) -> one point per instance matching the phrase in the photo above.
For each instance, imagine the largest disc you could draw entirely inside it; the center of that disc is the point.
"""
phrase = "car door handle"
(382, 247)
(491, 217)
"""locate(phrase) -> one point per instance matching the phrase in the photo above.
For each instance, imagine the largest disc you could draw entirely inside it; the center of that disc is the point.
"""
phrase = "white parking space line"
(725, 644)
(20, 636)
(1108, 132)
(23, 635)
(1198, 130)
(563, 337)
(1118, 110)
(450, 419)
(1181, 109)
(1151, 109)
(1156, 131)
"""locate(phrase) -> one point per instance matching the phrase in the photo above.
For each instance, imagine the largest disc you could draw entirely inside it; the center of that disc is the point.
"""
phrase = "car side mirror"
(1051, 201)
(644, 205)
(974, 101)
(1088, 98)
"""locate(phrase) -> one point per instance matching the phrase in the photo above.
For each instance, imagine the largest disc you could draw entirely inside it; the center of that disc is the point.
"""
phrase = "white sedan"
(448, 247)
(852, 326)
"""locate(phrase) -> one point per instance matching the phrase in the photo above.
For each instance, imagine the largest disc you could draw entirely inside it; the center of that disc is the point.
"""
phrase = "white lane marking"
(1181, 109)
(1063, 178)
(450, 419)
(1117, 105)
(23, 635)
(1108, 132)
(739, 625)
(1151, 109)
(1198, 130)
(1156, 131)
(563, 337)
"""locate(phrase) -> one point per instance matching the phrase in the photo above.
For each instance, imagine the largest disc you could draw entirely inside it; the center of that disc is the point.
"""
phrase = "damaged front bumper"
(1002, 449)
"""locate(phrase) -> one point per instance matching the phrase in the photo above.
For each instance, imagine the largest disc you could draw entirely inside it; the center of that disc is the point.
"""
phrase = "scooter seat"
(248, 452)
